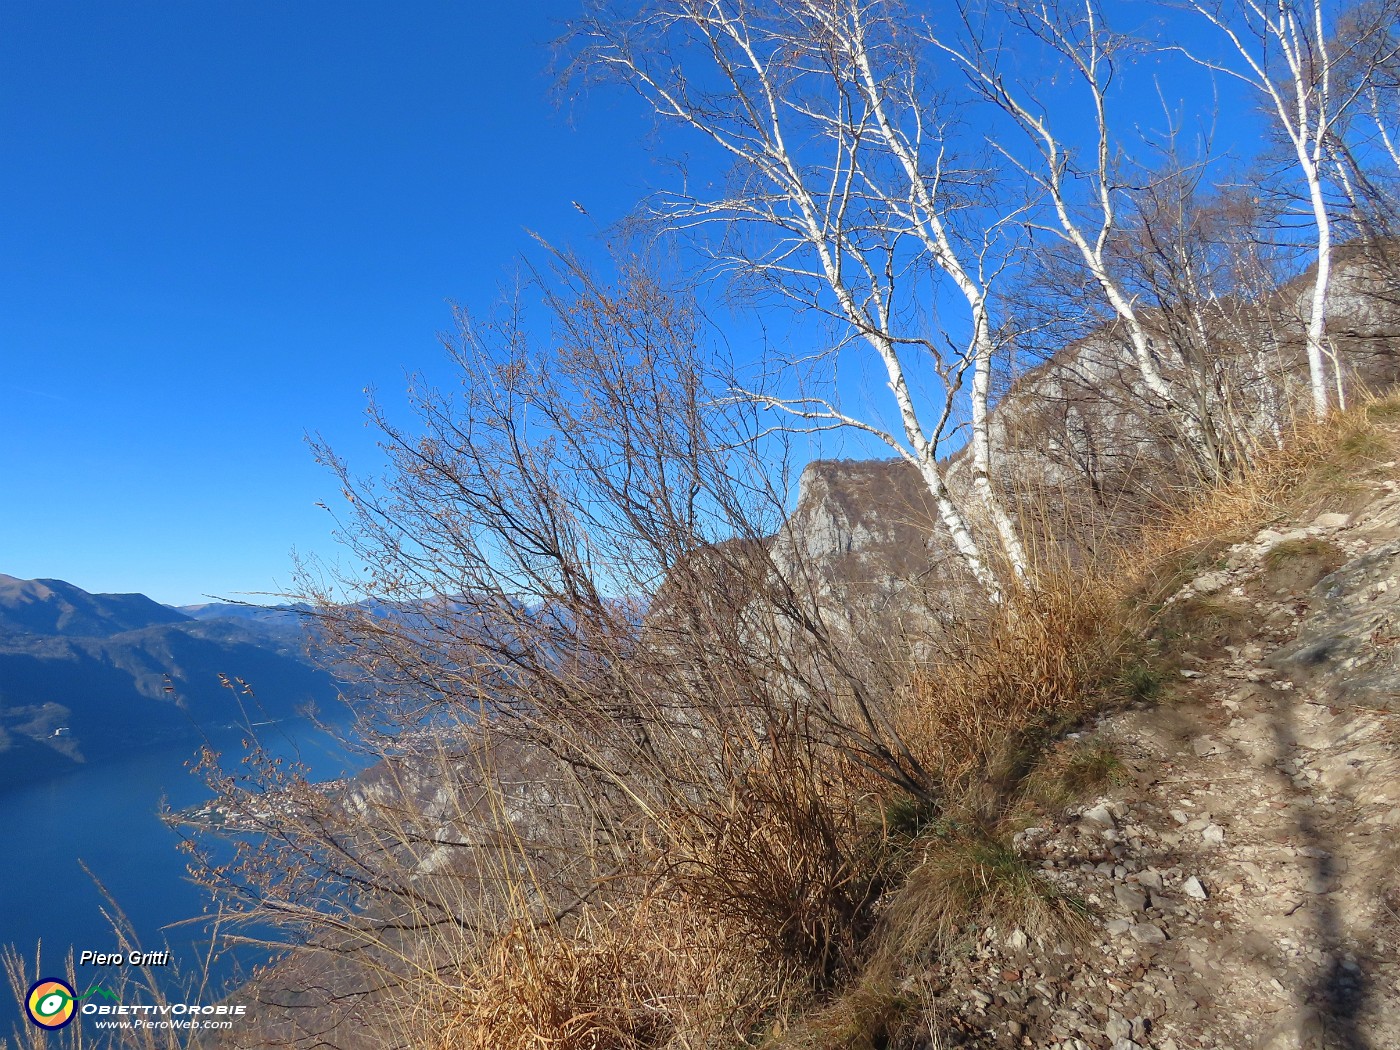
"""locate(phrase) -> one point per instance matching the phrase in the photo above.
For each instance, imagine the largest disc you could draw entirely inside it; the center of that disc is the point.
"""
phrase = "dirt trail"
(1244, 887)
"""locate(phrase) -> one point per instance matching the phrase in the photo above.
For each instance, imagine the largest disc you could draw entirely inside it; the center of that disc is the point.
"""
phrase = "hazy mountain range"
(86, 677)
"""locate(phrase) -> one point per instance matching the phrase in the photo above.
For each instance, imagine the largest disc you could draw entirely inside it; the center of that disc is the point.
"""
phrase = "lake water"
(107, 816)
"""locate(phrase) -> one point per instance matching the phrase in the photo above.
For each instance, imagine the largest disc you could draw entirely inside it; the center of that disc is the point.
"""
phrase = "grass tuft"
(1308, 547)
(1070, 772)
(1139, 681)
(650, 976)
(966, 883)
(869, 1015)
(1032, 665)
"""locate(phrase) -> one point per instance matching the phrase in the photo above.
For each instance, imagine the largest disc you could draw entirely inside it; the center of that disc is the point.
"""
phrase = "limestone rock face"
(1079, 443)
(1342, 646)
(1362, 304)
(864, 526)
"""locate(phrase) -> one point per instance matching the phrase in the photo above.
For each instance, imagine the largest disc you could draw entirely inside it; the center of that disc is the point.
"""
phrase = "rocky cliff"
(1080, 446)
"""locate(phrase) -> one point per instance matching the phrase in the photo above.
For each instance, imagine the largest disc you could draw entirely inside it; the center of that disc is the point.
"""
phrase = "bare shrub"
(611, 718)
(641, 785)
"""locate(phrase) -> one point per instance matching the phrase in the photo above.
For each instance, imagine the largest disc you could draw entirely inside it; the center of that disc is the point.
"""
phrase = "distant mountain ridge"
(85, 677)
(58, 608)
(285, 623)
(289, 613)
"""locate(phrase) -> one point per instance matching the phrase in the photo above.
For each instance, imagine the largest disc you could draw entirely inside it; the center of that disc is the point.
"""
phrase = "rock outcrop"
(1079, 444)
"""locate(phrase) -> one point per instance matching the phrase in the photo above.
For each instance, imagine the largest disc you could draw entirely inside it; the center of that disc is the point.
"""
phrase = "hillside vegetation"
(653, 775)
(665, 759)
(746, 813)
(688, 851)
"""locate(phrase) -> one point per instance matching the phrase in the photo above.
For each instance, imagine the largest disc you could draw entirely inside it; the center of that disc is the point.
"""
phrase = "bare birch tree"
(1287, 52)
(849, 195)
(1365, 147)
(1085, 186)
(1193, 256)
(1379, 67)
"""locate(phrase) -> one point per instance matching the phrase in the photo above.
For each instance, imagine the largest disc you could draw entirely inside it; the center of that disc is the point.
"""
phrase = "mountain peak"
(56, 607)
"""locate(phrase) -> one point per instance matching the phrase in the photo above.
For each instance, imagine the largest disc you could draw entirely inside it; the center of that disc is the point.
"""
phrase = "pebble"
(1147, 933)
(1210, 582)
(1318, 883)
(1118, 1027)
(1130, 898)
(1134, 995)
(1099, 815)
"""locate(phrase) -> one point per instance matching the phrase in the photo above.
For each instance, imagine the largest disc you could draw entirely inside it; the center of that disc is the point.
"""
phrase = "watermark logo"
(51, 1003)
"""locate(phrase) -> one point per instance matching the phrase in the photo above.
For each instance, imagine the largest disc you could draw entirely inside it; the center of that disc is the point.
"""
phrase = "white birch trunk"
(934, 234)
(982, 453)
(1317, 318)
(1303, 103)
(956, 524)
(821, 209)
(1056, 159)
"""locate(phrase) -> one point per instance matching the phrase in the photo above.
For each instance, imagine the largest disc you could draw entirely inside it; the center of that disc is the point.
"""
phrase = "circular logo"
(50, 1002)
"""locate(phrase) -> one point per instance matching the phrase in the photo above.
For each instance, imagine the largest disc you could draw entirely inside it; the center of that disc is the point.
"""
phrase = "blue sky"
(222, 222)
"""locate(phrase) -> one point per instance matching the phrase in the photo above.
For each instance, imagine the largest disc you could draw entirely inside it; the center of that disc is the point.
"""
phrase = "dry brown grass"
(985, 712)
(1039, 660)
(641, 977)
(1318, 468)
(765, 871)
(869, 1015)
(1068, 772)
(968, 881)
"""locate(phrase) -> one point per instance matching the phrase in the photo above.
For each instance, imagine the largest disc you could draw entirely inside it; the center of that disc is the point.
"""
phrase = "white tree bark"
(1297, 88)
(933, 232)
(1083, 42)
(843, 165)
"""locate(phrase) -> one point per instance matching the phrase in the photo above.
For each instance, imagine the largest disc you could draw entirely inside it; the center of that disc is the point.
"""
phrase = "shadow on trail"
(1340, 991)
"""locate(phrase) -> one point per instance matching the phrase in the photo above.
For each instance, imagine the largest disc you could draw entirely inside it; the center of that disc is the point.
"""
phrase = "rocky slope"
(1243, 885)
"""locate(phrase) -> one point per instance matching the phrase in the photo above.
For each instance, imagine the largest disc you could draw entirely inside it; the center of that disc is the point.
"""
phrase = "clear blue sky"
(221, 222)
